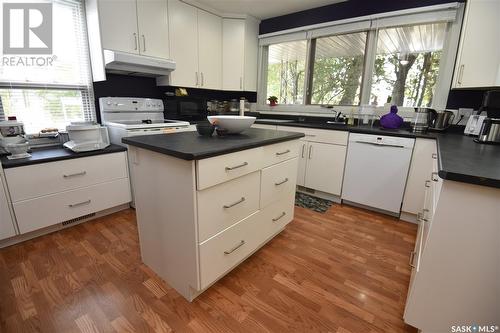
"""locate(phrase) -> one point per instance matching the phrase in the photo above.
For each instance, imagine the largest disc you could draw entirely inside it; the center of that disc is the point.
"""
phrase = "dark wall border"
(340, 11)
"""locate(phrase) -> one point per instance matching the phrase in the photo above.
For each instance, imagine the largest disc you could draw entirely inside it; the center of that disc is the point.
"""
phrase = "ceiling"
(263, 9)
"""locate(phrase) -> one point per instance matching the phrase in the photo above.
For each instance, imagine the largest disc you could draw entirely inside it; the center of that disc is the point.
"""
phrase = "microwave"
(185, 108)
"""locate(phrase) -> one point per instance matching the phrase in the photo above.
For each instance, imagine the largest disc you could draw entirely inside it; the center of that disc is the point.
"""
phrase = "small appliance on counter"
(440, 120)
(12, 139)
(86, 136)
(487, 128)
(421, 120)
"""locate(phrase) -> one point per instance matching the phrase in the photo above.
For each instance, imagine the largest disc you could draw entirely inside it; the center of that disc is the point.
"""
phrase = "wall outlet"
(465, 113)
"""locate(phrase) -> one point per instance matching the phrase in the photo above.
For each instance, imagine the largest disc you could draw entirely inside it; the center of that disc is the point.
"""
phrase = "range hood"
(135, 64)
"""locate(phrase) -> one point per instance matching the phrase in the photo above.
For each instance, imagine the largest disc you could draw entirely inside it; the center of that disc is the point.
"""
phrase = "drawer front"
(280, 152)
(278, 180)
(221, 253)
(47, 178)
(225, 204)
(224, 251)
(48, 210)
(318, 135)
(220, 169)
(277, 215)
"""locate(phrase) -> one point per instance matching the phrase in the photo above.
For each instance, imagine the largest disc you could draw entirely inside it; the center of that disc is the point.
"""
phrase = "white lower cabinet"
(50, 193)
(7, 229)
(322, 155)
(202, 218)
(51, 209)
(325, 167)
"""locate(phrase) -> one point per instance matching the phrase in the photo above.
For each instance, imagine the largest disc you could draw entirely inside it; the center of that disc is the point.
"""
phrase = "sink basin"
(232, 124)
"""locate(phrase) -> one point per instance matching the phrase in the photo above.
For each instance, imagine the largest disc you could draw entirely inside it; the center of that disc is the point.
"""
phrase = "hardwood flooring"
(342, 271)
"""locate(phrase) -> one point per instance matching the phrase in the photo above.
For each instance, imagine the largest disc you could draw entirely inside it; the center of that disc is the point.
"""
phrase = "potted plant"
(273, 100)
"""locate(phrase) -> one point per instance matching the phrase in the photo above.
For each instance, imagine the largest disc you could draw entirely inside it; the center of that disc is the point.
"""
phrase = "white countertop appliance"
(13, 140)
(86, 136)
(129, 116)
(376, 170)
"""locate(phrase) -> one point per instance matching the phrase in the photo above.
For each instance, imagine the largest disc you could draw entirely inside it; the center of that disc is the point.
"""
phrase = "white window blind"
(53, 95)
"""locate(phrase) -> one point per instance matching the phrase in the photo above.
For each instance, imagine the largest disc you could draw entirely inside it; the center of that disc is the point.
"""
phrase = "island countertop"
(192, 146)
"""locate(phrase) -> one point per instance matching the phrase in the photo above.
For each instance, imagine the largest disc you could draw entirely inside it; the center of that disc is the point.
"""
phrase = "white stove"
(128, 116)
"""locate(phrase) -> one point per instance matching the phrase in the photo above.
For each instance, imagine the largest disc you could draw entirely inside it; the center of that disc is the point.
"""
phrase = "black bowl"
(205, 129)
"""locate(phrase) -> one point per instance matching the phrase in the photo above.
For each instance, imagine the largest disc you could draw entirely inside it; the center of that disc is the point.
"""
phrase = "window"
(53, 95)
(286, 71)
(407, 59)
(338, 68)
(407, 64)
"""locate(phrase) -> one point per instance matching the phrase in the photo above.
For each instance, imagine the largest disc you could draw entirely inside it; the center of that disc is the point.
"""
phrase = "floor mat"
(308, 201)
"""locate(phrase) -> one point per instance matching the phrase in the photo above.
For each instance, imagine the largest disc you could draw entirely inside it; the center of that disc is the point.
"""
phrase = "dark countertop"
(460, 158)
(192, 146)
(51, 154)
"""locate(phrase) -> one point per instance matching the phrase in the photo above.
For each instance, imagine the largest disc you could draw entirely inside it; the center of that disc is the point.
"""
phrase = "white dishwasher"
(376, 170)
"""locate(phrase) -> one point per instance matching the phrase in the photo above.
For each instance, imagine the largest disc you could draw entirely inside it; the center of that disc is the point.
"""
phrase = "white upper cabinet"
(119, 25)
(196, 46)
(478, 60)
(183, 33)
(209, 50)
(152, 21)
(135, 26)
(239, 54)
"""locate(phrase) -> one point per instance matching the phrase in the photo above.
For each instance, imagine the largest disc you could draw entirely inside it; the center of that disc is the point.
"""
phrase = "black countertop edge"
(470, 179)
(52, 154)
(207, 152)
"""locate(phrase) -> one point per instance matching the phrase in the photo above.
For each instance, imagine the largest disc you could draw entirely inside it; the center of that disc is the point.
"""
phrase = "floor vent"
(77, 219)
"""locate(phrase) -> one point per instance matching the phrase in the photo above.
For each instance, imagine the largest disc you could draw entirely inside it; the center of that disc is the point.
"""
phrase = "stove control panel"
(130, 104)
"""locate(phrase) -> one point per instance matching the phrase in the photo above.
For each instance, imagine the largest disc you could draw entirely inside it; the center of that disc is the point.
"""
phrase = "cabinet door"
(325, 167)
(301, 173)
(478, 64)
(210, 50)
(183, 32)
(6, 223)
(420, 168)
(119, 25)
(233, 51)
(251, 55)
(152, 20)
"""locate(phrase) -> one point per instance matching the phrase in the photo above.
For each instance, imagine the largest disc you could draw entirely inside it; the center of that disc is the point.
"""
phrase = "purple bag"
(391, 120)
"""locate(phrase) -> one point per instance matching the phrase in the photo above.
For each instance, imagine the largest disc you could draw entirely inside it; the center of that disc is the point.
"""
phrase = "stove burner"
(146, 121)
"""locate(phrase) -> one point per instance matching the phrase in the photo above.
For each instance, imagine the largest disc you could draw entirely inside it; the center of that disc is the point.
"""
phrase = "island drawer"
(224, 251)
(278, 180)
(27, 182)
(280, 152)
(219, 169)
(223, 205)
(277, 215)
(48, 210)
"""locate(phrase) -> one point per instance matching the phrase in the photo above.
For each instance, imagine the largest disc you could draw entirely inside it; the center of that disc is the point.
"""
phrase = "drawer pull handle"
(434, 177)
(83, 173)
(434, 156)
(80, 204)
(283, 152)
(281, 182)
(237, 166)
(427, 183)
(235, 203)
(235, 248)
(303, 148)
(279, 217)
(412, 258)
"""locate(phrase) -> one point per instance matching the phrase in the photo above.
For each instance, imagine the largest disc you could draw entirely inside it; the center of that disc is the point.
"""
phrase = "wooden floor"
(342, 271)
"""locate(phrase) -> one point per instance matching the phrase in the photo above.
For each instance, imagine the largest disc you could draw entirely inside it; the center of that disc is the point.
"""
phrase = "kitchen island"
(205, 204)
